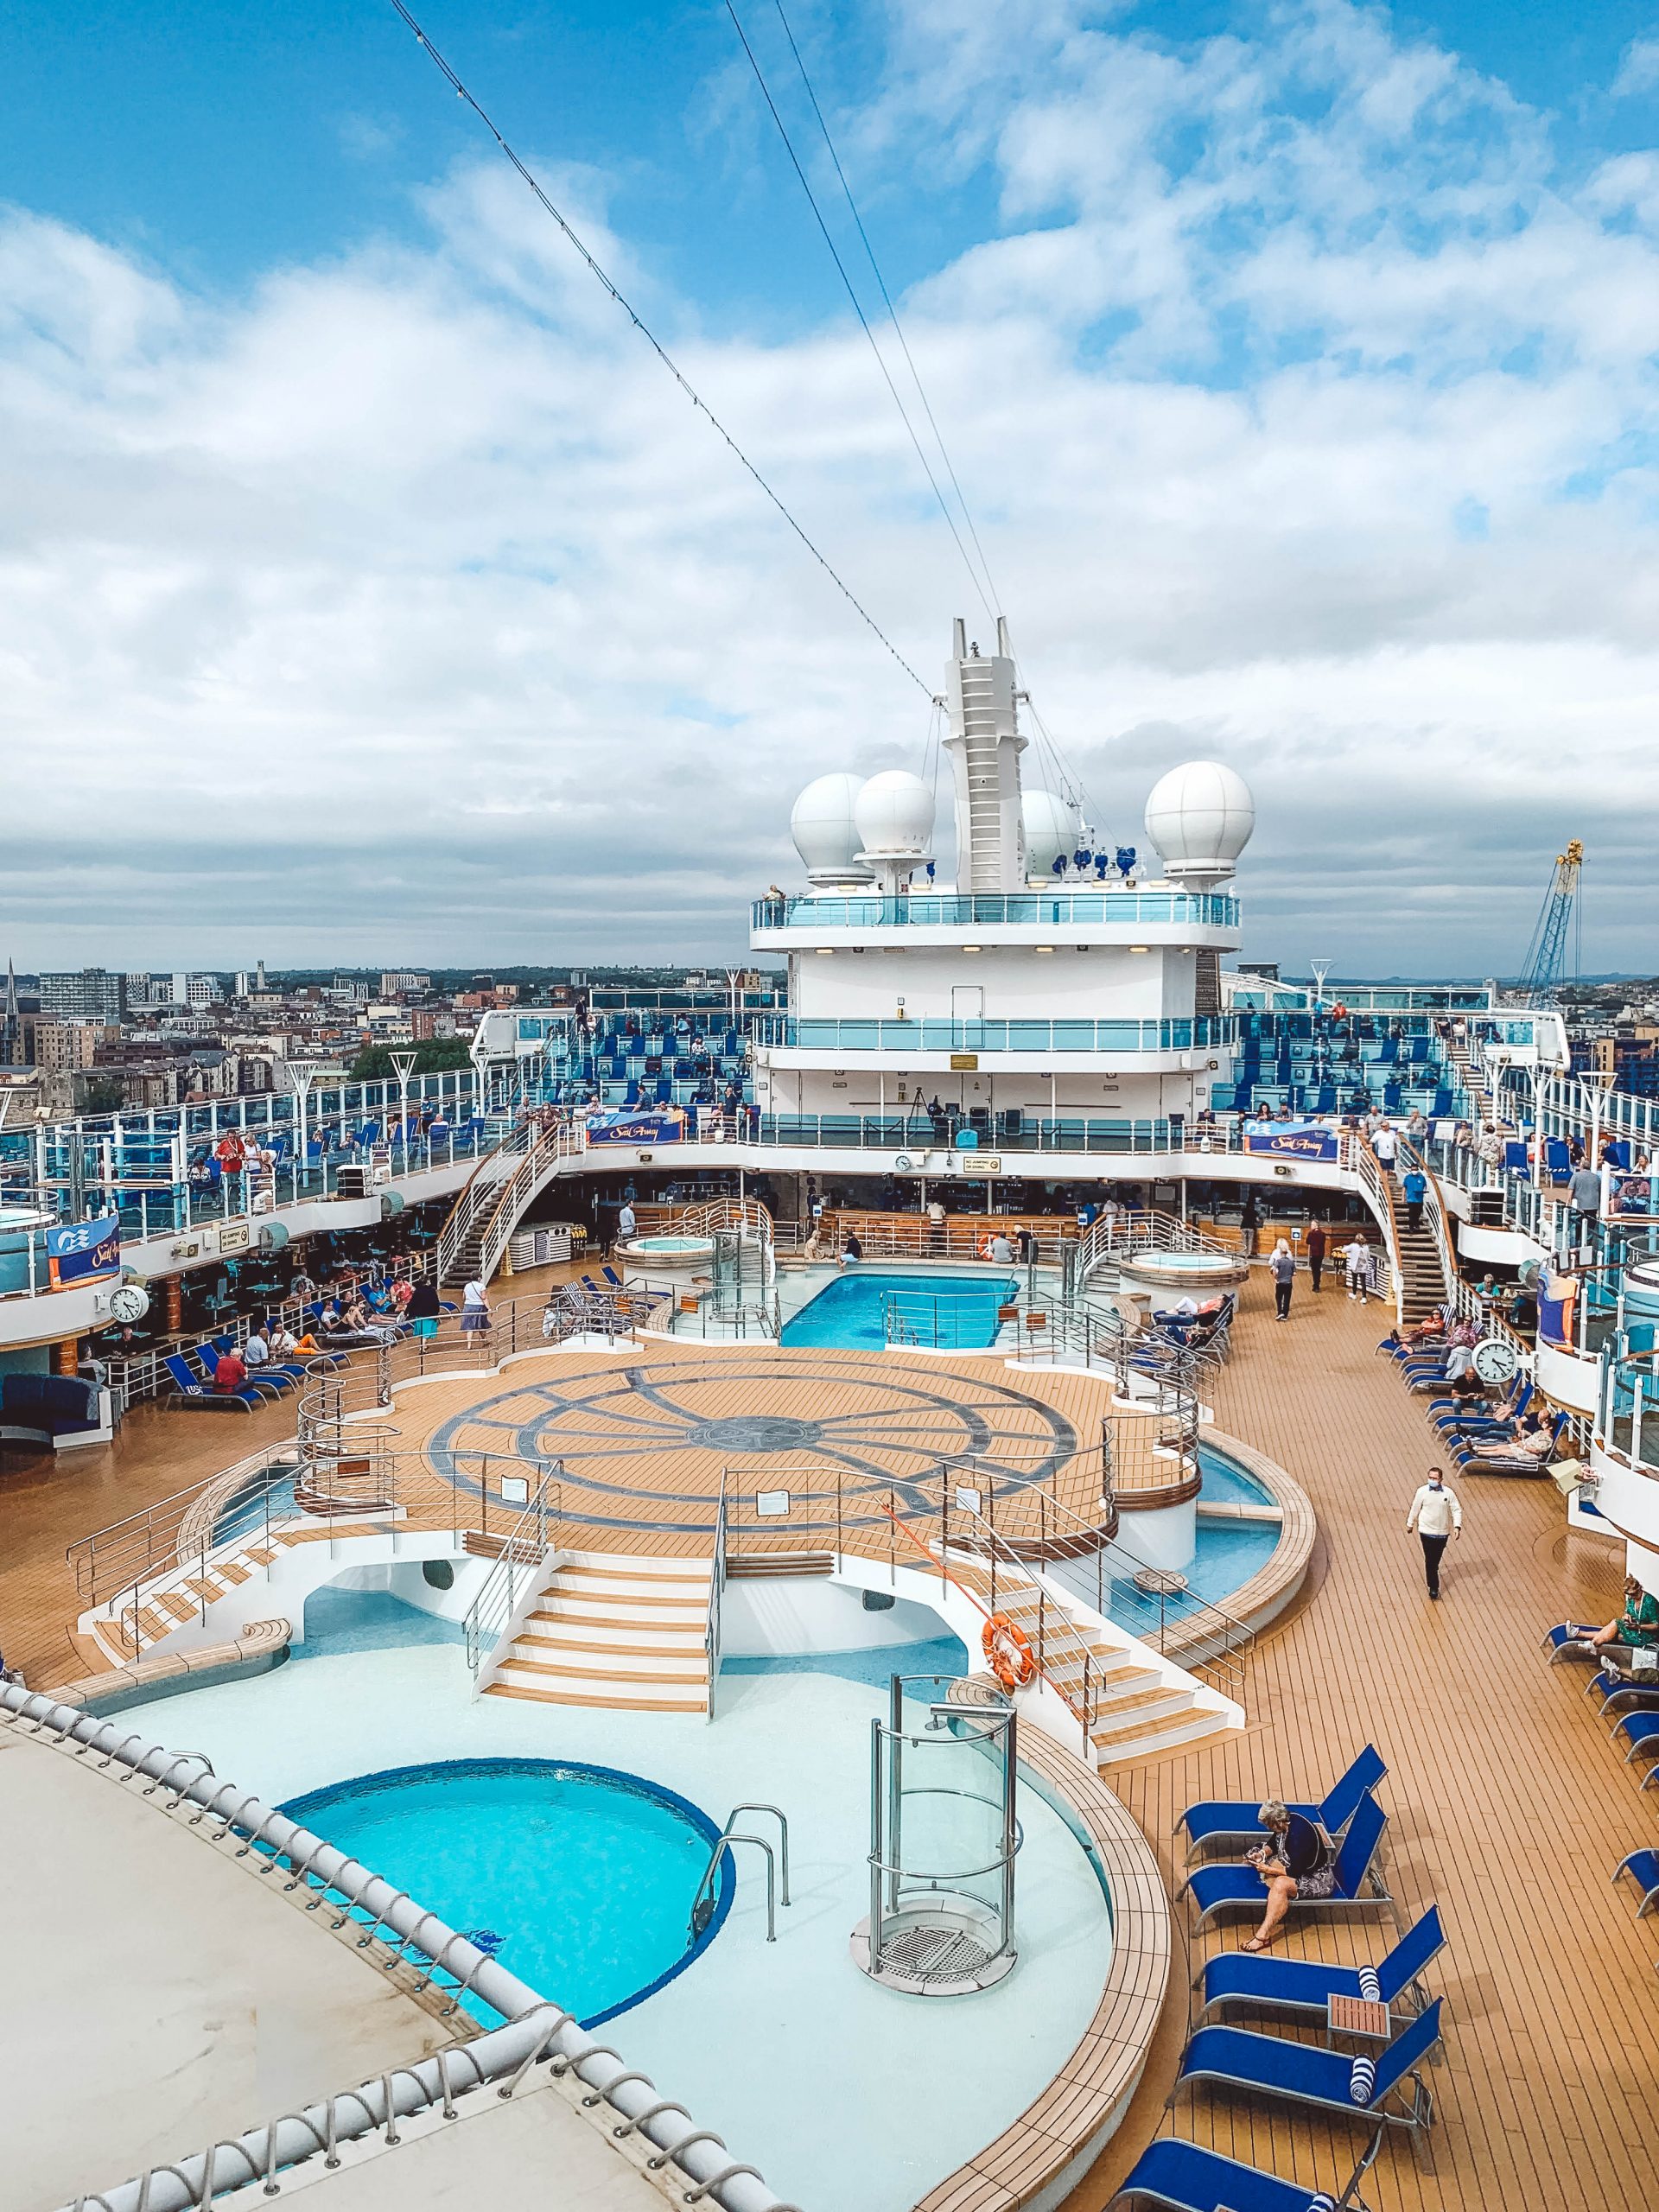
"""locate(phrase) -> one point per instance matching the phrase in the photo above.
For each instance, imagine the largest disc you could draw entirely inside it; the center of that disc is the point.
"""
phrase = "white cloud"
(405, 608)
(1638, 68)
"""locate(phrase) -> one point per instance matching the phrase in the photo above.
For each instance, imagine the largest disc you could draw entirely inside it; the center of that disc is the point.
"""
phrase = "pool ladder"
(703, 1904)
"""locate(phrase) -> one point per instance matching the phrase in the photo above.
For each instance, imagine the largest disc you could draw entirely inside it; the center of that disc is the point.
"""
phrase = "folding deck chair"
(1229, 1819)
(189, 1390)
(1328, 2081)
(1256, 1978)
(1238, 1889)
(1185, 2177)
(1642, 1867)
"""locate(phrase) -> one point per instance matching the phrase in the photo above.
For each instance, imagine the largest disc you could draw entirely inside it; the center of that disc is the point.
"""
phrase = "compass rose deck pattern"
(649, 1438)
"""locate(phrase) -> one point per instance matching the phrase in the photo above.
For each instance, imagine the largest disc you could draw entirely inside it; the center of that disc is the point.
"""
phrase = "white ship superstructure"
(1051, 984)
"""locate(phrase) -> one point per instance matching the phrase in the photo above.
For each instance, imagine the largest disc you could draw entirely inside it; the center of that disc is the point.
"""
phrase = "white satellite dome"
(894, 814)
(1200, 817)
(1051, 830)
(826, 837)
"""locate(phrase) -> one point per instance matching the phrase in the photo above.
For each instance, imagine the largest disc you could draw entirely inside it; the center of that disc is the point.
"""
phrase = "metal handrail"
(490, 1613)
(703, 1899)
(711, 1627)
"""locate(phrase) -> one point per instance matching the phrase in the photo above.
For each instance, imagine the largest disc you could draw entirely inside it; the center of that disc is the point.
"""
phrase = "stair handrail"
(543, 1146)
(469, 1200)
(1237, 1637)
(711, 1625)
(1435, 1215)
(490, 1613)
(1378, 1187)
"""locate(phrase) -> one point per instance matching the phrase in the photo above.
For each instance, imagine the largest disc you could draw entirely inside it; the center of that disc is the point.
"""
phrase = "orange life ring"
(1008, 1651)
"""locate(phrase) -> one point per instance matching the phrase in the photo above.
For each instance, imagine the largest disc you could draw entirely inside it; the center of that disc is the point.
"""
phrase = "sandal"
(1256, 1943)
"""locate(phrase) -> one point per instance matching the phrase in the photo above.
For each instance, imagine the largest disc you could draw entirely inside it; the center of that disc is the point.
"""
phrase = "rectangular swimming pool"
(953, 1312)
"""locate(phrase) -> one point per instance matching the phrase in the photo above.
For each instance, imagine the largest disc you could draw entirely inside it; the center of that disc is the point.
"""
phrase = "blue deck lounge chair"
(1187, 2178)
(1618, 1690)
(1641, 1731)
(1332, 2081)
(1642, 1867)
(1238, 1889)
(1217, 1820)
(1304, 1984)
(191, 1390)
(1563, 1641)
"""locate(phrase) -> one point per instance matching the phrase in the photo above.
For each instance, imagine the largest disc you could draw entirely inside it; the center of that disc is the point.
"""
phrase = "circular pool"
(580, 1878)
(669, 1256)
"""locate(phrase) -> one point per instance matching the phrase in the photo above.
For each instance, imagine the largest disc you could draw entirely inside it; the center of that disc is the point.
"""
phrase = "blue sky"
(1300, 362)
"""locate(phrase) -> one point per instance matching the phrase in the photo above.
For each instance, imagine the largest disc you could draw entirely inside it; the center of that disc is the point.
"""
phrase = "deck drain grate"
(934, 1954)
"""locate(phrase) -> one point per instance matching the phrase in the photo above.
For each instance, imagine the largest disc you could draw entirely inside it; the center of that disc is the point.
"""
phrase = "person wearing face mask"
(1437, 1517)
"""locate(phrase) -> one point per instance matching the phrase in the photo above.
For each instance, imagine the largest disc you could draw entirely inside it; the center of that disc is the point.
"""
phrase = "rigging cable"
(847, 281)
(656, 346)
(1071, 784)
(892, 316)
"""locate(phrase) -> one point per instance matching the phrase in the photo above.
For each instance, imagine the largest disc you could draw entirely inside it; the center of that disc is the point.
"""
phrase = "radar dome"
(1200, 817)
(894, 814)
(1050, 831)
(826, 837)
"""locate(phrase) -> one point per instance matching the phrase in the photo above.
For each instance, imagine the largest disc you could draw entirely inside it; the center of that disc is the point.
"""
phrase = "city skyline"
(367, 568)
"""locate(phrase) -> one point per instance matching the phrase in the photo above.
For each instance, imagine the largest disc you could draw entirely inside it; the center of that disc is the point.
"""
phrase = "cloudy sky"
(368, 591)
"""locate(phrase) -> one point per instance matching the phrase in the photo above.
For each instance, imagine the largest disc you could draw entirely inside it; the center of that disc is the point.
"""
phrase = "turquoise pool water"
(955, 1312)
(1225, 1483)
(584, 1875)
(246, 1511)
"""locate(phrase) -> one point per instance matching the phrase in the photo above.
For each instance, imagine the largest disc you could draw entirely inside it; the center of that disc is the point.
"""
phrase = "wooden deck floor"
(1508, 1805)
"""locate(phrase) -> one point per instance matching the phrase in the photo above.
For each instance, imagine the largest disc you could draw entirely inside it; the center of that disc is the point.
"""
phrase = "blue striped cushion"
(1369, 1987)
(1323, 2203)
(1362, 2083)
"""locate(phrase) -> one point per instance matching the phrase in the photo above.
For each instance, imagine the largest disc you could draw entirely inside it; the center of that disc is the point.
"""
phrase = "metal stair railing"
(1234, 1640)
(525, 1552)
(486, 1213)
(711, 1625)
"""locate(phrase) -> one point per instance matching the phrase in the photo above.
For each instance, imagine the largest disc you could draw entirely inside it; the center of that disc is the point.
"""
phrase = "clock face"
(1495, 1359)
(129, 1303)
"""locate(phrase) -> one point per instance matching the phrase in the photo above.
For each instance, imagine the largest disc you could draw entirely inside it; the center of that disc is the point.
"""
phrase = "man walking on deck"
(1437, 1517)
(1315, 1254)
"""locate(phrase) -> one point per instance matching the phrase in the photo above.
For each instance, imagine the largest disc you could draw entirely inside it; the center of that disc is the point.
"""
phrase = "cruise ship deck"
(1508, 1805)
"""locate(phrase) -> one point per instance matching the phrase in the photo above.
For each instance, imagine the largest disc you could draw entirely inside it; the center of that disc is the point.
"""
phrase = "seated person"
(229, 1375)
(283, 1343)
(1636, 1628)
(1531, 1441)
(1466, 1388)
(1295, 1861)
(256, 1352)
(852, 1251)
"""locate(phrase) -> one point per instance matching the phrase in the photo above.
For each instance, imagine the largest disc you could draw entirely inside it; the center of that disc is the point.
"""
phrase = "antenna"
(1320, 968)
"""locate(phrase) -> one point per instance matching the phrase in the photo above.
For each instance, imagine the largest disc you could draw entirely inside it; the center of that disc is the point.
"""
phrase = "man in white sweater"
(1437, 1517)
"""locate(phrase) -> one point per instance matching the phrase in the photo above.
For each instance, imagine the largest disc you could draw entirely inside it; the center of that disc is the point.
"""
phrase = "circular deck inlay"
(756, 1433)
(642, 1443)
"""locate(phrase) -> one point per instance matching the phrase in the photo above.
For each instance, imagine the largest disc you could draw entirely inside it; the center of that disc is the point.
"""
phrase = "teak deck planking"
(1507, 1803)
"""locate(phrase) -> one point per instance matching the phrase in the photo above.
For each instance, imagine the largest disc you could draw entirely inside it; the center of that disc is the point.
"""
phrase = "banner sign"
(83, 1251)
(1292, 1140)
(636, 1128)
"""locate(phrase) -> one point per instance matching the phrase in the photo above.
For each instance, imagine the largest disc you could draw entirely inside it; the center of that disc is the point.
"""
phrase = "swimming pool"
(584, 1875)
(1225, 1481)
(957, 1312)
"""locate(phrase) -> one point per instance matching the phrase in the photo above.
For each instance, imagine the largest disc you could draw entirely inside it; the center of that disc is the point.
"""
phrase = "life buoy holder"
(1008, 1652)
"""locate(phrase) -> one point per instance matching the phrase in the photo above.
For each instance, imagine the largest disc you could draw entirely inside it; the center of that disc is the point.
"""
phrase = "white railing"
(495, 1195)
(522, 1559)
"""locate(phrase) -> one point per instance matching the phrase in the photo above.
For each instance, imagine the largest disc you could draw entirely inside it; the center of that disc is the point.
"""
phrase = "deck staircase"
(1423, 1280)
(613, 1631)
(124, 1633)
(1136, 1710)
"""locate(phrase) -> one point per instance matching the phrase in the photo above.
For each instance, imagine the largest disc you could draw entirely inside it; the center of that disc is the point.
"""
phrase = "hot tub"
(677, 1258)
(1165, 1276)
